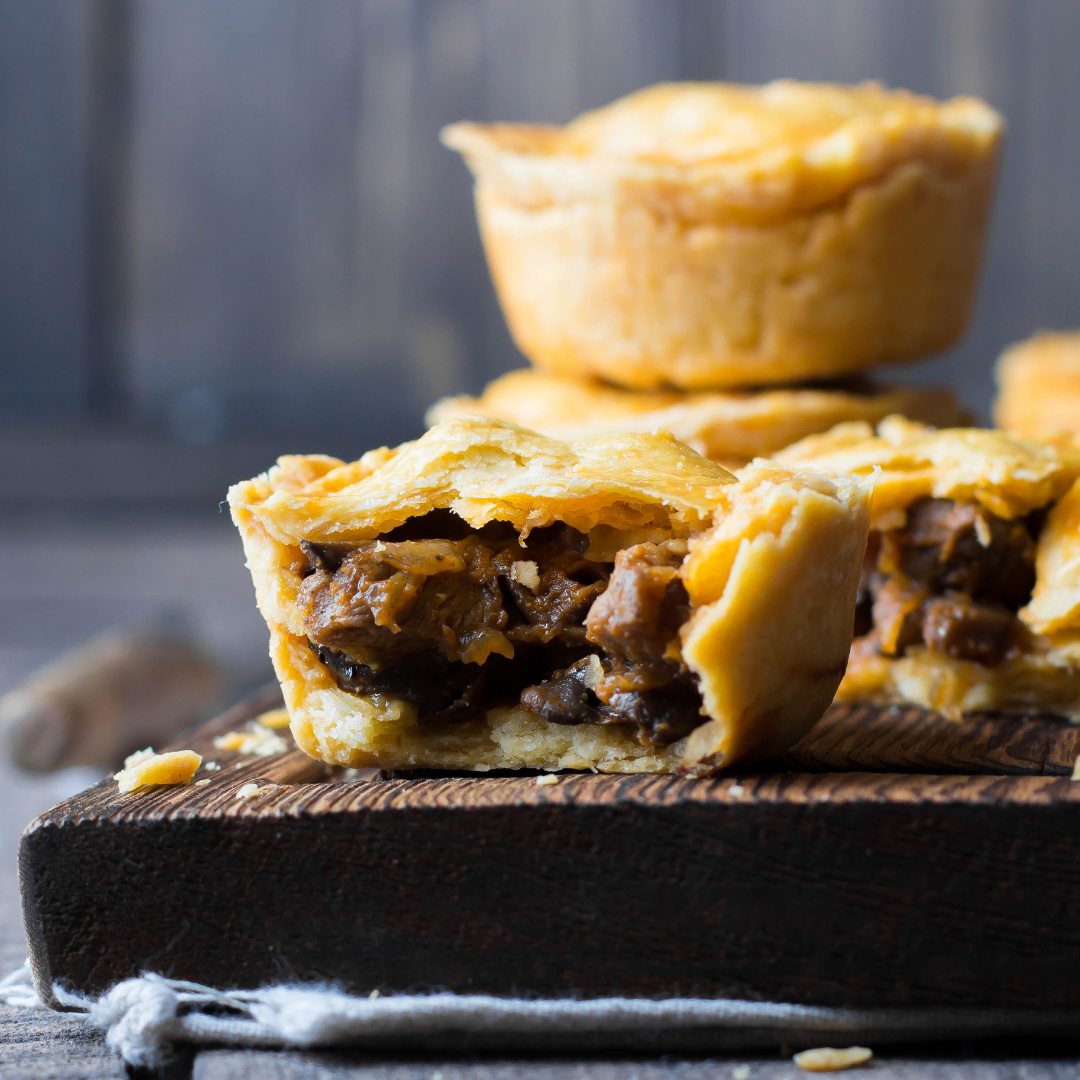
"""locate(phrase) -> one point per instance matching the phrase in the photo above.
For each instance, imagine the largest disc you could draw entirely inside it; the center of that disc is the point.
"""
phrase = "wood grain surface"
(910, 739)
(824, 887)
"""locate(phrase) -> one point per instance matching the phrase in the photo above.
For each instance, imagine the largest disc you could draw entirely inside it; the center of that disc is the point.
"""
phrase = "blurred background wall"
(229, 230)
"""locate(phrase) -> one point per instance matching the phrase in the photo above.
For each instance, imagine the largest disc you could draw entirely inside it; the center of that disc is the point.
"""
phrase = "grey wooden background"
(227, 220)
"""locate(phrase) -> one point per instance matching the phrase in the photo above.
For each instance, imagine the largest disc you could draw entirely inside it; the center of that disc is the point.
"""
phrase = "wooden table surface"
(124, 571)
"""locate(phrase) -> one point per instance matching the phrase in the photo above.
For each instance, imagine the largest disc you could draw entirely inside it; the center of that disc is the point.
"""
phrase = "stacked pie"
(729, 263)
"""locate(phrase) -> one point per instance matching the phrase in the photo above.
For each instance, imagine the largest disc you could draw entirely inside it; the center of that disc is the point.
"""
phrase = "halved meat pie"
(488, 598)
(970, 591)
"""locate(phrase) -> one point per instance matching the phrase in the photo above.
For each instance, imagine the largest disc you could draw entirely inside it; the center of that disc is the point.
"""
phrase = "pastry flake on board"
(677, 619)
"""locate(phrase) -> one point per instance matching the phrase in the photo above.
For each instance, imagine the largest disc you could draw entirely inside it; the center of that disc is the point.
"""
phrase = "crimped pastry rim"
(532, 163)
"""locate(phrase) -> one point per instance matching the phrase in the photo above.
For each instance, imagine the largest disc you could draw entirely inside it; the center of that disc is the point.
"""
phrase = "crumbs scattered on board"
(259, 740)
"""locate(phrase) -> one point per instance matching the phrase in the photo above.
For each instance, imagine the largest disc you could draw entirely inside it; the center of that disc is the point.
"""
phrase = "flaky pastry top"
(906, 462)
(485, 469)
(780, 148)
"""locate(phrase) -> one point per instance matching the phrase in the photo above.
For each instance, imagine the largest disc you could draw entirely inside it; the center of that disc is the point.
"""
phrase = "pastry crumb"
(373, 995)
(828, 1059)
(526, 573)
(201, 783)
(211, 766)
(735, 789)
(146, 769)
(248, 791)
(1076, 769)
(547, 780)
(258, 740)
(594, 672)
(274, 718)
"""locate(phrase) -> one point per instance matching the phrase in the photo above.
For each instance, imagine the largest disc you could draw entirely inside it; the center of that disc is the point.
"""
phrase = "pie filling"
(952, 579)
(456, 620)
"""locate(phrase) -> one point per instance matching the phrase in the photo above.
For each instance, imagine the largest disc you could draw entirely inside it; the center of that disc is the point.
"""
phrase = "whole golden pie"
(708, 235)
(489, 598)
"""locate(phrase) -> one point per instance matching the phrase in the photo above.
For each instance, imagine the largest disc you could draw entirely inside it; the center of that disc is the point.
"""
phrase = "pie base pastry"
(730, 427)
(707, 236)
(762, 572)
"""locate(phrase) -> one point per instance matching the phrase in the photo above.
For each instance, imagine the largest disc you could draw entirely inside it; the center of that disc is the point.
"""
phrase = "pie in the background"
(731, 427)
(709, 235)
(970, 593)
(1039, 387)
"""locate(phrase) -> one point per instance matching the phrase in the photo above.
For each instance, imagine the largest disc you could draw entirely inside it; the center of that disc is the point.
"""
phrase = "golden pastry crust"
(1039, 387)
(1010, 478)
(730, 427)
(909, 461)
(771, 583)
(710, 235)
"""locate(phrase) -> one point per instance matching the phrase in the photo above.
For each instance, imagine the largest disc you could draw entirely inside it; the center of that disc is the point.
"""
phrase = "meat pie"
(970, 591)
(731, 427)
(489, 598)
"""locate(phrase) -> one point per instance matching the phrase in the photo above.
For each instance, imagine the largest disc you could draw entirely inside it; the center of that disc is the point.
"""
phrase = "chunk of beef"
(439, 688)
(952, 578)
(897, 612)
(449, 690)
(660, 716)
(645, 603)
(440, 615)
(408, 597)
(961, 628)
(964, 548)
(556, 603)
(635, 621)
(564, 698)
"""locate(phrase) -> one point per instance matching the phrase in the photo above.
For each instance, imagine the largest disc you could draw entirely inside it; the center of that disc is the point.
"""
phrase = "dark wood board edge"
(296, 787)
(294, 766)
(882, 897)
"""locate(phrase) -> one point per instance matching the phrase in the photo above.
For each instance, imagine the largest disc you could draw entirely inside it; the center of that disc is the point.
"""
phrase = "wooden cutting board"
(892, 858)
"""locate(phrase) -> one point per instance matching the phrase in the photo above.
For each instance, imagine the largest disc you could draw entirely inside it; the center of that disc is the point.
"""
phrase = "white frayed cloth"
(17, 989)
(144, 1017)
